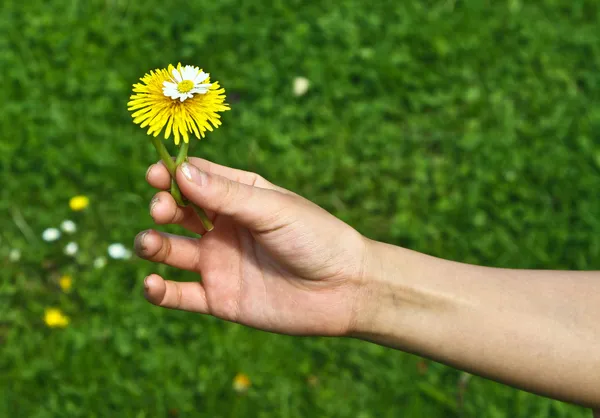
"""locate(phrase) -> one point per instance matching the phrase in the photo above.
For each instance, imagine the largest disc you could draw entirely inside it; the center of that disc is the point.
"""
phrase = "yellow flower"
(241, 383)
(54, 318)
(79, 203)
(183, 99)
(65, 282)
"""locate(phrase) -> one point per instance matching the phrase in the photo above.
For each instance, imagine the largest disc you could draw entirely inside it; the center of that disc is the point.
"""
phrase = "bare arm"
(278, 262)
(532, 329)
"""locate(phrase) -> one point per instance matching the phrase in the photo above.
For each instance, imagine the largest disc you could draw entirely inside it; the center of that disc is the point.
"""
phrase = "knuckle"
(178, 295)
(229, 191)
(278, 215)
(173, 295)
(257, 179)
(177, 215)
(164, 251)
(196, 260)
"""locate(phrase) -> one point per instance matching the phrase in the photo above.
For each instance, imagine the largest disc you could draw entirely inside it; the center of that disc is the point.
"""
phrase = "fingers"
(254, 207)
(164, 210)
(158, 176)
(187, 296)
(173, 250)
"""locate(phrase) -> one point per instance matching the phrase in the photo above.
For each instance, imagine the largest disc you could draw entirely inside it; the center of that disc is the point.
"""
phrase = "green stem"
(164, 155)
(171, 168)
(181, 157)
(183, 151)
(208, 225)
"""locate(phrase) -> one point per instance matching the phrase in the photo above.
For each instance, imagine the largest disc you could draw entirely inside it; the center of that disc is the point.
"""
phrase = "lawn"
(467, 130)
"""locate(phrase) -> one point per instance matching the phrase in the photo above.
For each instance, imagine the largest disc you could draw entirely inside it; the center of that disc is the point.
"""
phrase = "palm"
(246, 281)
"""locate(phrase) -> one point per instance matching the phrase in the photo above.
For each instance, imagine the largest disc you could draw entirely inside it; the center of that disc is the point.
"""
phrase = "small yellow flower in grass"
(241, 383)
(78, 203)
(54, 318)
(180, 99)
(65, 282)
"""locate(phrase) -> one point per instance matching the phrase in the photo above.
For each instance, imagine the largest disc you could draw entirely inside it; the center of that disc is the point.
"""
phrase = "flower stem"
(183, 151)
(172, 168)
(164, 155)
(207, 223)
(181, 157)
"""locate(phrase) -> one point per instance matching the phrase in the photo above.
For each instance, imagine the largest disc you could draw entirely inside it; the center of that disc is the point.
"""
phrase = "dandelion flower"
(71, 248)
(68, 226)
(78, 203)
(118, 251)
(54, 318)
(50, 234)
(99, 262)
(181, 99)
(14, 255)
(65, 282)
(241, 383)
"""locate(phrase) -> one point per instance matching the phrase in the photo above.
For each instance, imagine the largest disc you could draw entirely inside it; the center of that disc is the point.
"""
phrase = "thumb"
(251, 206)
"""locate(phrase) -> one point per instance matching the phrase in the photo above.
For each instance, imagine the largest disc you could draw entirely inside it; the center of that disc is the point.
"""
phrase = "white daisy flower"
(186, 82)
(99, 262)
(118, 251)
(50, 234)
(301, 86)
(14, 255)
(68, 226)
(71, 248)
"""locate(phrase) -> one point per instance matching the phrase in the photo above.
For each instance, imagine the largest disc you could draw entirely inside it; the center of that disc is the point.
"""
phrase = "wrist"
(399, 296)
(375, 304)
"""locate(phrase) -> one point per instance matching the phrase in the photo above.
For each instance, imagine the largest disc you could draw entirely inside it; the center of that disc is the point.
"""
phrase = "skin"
(277, 262)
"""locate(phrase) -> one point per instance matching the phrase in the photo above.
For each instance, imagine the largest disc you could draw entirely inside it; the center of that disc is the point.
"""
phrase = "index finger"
(159, 177)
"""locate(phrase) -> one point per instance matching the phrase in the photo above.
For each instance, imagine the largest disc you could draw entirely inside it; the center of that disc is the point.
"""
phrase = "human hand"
(274, 261)
(277, 262)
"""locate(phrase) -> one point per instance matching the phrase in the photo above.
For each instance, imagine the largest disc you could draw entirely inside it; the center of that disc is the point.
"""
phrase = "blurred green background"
(463, 129)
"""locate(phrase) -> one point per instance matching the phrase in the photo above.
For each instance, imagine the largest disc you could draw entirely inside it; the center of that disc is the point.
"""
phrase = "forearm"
(536, 330)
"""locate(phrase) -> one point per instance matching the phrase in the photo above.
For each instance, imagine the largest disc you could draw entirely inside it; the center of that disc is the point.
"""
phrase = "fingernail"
(146, 286)
(187, 171)
(193, 174)
(139, 243)
(153, 203)
(148, 171)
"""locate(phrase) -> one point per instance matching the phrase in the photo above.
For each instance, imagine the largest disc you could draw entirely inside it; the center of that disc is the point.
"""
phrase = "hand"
(277, 262)
(274, 261)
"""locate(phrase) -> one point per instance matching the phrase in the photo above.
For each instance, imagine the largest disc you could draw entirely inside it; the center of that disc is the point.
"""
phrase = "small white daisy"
(68, 226)
(99, 262)
(301, 86)
(71, 248)
(118, 251)
(186, 82)
(50, 234)
(14, 255)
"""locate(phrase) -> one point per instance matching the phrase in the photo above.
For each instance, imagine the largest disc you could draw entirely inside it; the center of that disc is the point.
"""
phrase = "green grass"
(463, 129)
